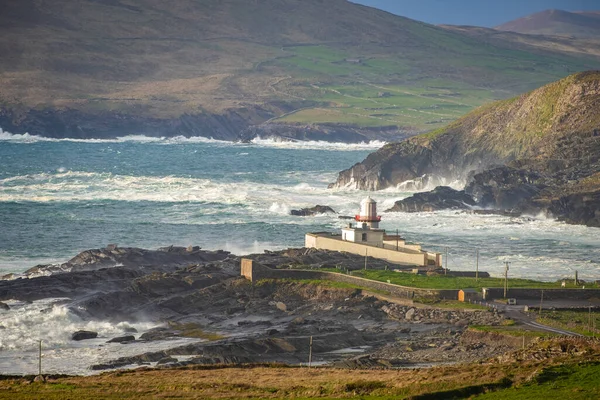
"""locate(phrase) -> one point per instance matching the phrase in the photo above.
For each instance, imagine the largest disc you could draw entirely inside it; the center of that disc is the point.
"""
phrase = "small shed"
(467, 294)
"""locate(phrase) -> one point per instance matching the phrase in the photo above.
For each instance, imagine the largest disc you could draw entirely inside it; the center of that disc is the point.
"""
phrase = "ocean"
(60, 197)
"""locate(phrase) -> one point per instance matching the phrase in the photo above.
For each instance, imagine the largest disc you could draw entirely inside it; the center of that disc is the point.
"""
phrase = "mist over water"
(59, 197)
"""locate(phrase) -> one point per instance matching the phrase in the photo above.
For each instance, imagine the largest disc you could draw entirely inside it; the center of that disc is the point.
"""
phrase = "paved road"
(516, 313)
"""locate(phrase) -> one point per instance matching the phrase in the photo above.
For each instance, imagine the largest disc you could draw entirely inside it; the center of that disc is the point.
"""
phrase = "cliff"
(556, 126)
(537, 153)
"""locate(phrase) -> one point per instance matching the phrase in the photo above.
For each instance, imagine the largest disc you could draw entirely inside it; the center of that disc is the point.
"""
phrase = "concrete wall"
(374, 237)
(410, 257)
(257, 271)
(536, 294)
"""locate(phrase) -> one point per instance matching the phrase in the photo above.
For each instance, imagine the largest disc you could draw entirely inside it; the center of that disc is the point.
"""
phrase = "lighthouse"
(366, 239)
(368, 213)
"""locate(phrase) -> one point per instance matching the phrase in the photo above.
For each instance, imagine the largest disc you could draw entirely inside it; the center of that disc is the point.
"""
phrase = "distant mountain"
(235, 69)
(584, 24)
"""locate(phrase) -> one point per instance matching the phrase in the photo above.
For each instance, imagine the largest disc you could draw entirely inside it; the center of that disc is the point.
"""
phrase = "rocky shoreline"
(232, 125)
(200, 295)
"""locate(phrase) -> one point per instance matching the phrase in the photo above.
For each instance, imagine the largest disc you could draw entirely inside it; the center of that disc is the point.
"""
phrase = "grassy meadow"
(513, 380)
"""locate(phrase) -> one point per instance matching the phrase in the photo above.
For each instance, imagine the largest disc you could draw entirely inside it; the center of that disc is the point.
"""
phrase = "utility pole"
(541, 302)
(310, 353)
(446, 268)
(506, 263)
(397, 239)
(366, 256)
(40, 360)
(477, 266)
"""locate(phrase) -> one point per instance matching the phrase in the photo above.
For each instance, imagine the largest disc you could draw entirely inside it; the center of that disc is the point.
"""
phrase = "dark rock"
(167, 360)
(580, 208)
(391, 165)
(130, 329)
(305, 212)
(122, 339)
(505, 188)
(84, 335)
(4, 306)
(441, 198)
(159, 334)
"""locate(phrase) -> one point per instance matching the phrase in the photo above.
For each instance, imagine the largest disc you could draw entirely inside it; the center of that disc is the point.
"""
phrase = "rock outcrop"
(122, 339)
(306, 212)
(441, 198)
(84, 335)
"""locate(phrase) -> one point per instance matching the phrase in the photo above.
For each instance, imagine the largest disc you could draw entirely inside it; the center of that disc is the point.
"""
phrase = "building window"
(364, 237)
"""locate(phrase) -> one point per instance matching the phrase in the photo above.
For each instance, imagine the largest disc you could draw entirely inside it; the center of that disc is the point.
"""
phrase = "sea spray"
(58, 198)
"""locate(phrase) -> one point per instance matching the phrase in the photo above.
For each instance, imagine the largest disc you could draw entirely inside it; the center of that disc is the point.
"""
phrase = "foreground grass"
(257, 382)
(518, 380)
(571, 382)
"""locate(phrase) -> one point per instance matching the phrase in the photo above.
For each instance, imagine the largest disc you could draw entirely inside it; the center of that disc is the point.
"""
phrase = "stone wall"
(549, 294)
(255, 271)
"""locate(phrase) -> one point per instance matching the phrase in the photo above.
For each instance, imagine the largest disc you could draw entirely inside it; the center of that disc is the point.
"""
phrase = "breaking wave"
(258, 142)
(318, 145)
(79, 186)
(27, 323)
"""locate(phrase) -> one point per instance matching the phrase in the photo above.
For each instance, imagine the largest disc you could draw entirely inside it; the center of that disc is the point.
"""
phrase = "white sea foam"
(73, 186)
(270, 143)
(49, 320)
(26, 323)
(318, 145)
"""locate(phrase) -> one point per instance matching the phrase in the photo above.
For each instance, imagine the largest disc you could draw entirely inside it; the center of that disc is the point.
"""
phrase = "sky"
(488, 13)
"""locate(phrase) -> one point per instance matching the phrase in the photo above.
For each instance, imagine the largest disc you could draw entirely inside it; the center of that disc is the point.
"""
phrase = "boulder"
(441, 198)
(122, 339)
(307, 212)
(84, 335)
(4, 306)
(159, 334)
(167, 360)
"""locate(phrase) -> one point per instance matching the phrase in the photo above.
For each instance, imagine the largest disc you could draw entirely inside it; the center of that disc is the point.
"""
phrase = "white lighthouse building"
(367, 229)
(368, 213)
(366, 238)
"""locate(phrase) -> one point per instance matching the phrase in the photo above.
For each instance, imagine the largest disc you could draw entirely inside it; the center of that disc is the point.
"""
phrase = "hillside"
(216, 68)
(584, 24)
(549, 139)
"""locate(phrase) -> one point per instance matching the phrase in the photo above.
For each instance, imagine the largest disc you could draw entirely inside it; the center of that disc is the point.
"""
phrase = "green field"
(451, 282)
(585, 322)
(398, 89)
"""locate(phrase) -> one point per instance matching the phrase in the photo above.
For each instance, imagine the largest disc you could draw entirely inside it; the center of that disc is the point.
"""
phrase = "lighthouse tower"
(368, 213)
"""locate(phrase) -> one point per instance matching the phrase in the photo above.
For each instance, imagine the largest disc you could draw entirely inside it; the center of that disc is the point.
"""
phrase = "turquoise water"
(59, 197)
